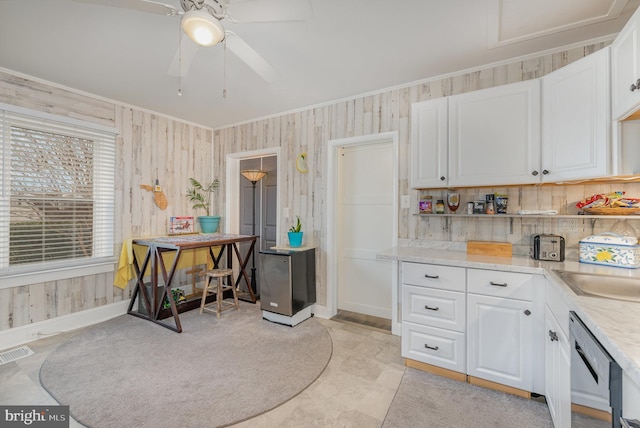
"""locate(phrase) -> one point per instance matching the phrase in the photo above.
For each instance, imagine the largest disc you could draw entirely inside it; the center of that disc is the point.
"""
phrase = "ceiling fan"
(202, 20)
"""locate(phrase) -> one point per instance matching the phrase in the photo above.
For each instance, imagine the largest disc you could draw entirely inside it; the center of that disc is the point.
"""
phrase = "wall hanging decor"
(158, 194)
(301, 163)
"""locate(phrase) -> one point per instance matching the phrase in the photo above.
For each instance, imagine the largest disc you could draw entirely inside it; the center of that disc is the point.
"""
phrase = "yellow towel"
(125, 266)
(125, 271)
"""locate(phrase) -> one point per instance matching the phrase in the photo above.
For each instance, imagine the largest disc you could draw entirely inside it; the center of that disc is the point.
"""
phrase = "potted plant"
(200, 196)
(295, 234)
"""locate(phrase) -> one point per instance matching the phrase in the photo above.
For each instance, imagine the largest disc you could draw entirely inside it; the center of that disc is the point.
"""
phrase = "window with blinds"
(57, 201)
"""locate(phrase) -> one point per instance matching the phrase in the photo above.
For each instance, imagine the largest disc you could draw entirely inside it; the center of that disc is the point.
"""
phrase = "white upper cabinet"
(576, 137)
(494, 136)
(429, 144)
(625, 69)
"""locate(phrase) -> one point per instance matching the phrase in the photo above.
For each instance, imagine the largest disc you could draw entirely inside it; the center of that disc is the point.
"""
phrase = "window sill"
(95, 267)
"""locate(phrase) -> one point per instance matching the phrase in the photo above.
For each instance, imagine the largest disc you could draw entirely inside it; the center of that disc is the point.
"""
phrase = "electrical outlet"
(568, 225)
(405, 202)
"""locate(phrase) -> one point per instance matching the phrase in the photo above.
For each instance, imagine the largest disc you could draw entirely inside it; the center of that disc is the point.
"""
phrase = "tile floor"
(355, 390)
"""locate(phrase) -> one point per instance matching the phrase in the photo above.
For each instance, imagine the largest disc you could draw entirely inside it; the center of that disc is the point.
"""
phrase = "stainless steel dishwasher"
(596, 378)
(287, 285)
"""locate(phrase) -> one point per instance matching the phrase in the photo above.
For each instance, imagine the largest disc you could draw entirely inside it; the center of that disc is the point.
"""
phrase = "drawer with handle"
(510, 285)
(442, 348)
(436, 276)
(433, 307)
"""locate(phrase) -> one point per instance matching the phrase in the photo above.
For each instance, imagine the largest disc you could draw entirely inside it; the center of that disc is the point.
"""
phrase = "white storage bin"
(610, 249)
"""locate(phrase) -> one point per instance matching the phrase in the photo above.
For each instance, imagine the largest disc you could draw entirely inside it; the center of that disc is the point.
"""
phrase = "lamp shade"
(202, 27)
(253, 174)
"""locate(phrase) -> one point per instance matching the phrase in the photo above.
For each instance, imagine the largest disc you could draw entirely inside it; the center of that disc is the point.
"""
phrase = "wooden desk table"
(151, 301)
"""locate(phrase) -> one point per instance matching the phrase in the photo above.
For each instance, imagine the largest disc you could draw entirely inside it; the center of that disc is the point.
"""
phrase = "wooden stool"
(219, 291)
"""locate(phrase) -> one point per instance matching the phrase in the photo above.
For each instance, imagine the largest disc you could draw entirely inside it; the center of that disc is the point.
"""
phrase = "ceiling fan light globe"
(202, 28)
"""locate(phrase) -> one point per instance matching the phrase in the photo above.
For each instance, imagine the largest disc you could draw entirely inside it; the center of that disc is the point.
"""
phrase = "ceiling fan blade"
(139, 5)
(269, 10)
(252, 58)
(180, 66)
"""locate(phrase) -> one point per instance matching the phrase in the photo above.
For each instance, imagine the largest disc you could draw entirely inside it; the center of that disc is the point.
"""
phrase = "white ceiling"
(346, 48)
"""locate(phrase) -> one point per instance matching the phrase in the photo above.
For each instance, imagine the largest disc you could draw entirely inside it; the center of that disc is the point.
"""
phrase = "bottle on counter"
(489, 199)
(440, 206)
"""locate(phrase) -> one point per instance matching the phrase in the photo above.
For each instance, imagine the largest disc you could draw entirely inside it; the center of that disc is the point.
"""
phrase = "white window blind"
(57, 192)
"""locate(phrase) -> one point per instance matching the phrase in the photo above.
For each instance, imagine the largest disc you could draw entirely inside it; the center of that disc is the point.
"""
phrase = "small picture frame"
(181, 225)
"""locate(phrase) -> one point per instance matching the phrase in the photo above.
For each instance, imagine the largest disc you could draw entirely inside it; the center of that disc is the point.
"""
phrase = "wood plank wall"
(310, 130)
(178, 150)
(149, 146)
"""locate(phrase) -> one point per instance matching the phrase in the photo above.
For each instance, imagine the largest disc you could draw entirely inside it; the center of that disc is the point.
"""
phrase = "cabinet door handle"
(435, 348)
(426, 275)
(545, 172)
(431, 309)
(553, 336)
(534, 173)
(586, 362)
(442, 178)
(497, 284)
(635, 86)
(527, 312)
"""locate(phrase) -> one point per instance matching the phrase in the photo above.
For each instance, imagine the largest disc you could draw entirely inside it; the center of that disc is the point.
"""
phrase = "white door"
(364, 228)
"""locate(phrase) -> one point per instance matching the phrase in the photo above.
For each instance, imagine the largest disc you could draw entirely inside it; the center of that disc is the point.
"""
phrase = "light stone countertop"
(615, 323)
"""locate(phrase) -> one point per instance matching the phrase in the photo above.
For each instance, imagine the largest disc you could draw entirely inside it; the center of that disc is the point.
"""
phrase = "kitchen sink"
(606, 286)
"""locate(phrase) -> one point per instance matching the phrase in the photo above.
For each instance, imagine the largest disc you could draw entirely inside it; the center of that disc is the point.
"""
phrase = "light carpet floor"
(427, 400)
(129, 372)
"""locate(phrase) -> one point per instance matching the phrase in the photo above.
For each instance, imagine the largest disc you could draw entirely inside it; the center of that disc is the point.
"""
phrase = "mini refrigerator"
(287, 284)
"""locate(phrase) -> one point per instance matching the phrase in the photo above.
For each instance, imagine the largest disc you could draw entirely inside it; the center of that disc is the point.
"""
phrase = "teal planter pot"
(209, 224)
(295, 239)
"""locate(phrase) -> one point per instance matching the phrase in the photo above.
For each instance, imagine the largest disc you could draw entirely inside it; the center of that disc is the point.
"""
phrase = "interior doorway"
(362, 221)
(265, 201)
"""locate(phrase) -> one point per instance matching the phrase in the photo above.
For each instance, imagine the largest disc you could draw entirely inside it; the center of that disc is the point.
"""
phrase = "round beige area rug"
(131, 372)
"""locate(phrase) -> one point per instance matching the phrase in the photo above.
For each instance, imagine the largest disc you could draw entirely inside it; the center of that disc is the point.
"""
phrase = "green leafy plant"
(200, 195)
(297, 226)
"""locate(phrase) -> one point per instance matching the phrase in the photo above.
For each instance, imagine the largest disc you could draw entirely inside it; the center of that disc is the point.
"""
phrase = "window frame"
(13, 276)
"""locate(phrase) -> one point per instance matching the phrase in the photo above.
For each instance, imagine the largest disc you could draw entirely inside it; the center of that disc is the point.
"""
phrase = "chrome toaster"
(547, 247)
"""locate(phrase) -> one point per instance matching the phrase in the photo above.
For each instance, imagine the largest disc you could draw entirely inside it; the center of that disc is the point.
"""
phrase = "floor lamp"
(253, 175)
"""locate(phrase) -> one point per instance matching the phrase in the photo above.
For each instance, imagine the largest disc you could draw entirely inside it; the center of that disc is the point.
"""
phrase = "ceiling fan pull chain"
(180, 61)
(224, 70)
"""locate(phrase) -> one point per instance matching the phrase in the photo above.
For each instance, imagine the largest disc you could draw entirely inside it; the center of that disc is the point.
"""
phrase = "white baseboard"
(28, 333)
(321, 311)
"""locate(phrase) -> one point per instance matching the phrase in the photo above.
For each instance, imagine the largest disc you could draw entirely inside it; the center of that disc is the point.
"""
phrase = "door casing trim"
(232, 180)
(332, 191)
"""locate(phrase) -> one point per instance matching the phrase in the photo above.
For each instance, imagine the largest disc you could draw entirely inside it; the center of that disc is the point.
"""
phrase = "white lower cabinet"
(433, 315)
(500, 327)
(557, 362)
(500, 340)
(557, 358)
(472, 321)
(630, 398)
(435, 346)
